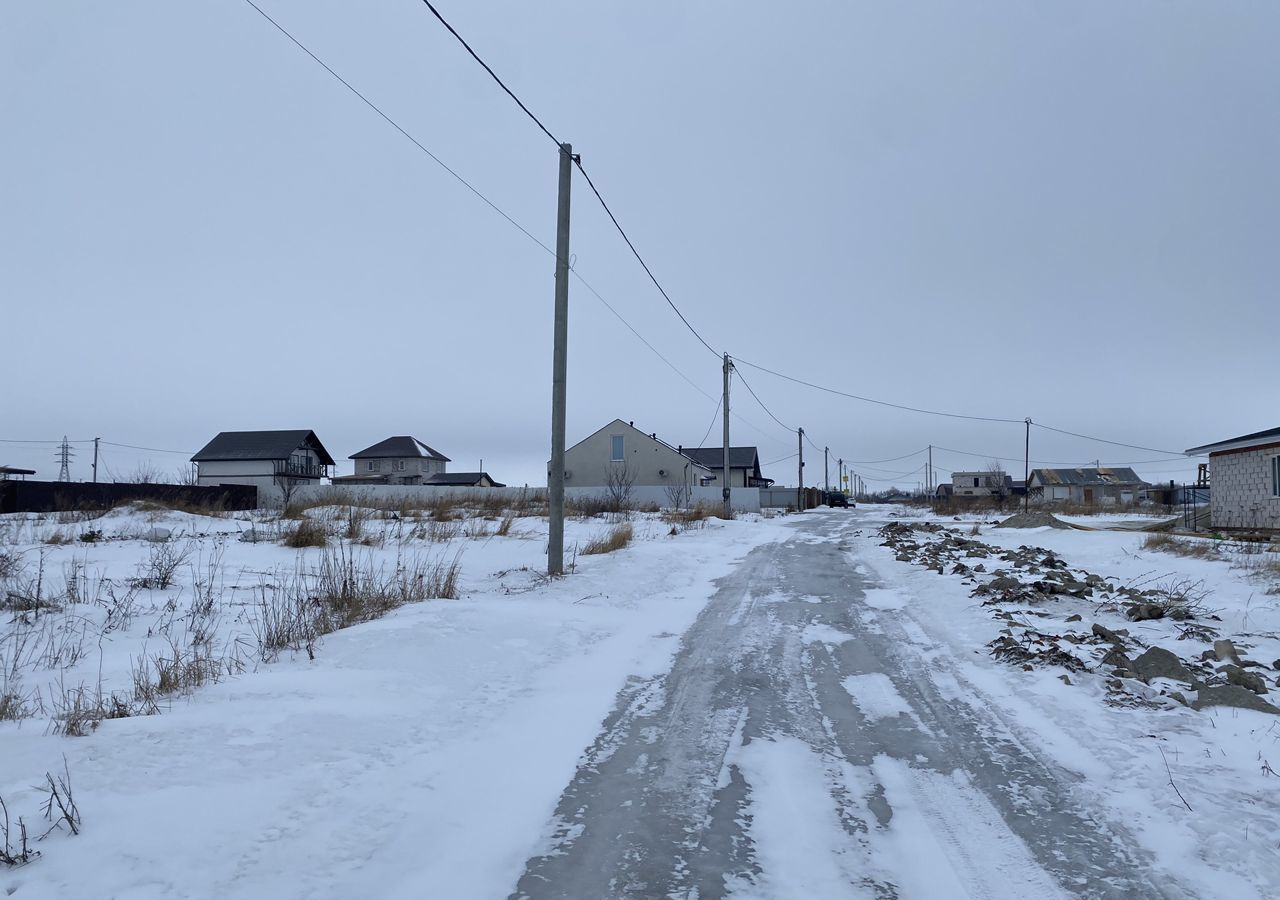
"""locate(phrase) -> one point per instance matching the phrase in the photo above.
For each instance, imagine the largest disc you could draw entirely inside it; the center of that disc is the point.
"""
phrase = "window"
(615, 448)
(1275, 476)
(373, 466)
(975, 483)
(399, 465)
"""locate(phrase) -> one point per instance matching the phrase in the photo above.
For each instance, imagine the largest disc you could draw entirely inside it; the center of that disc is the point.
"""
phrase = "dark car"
(838, 498)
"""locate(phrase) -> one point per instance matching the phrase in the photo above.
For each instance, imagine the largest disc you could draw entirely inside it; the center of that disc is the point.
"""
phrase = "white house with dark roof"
(1244, 473)
(275, 462)
(744, 464)
(397, 460)
(1091, 485)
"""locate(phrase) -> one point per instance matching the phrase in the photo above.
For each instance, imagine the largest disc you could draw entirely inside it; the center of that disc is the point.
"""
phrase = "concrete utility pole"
(800, 469)
(95, 459)
(840, 474)
(1026, 471)
(929, 481)
(826, 474)
(726, 492)
(559, 366)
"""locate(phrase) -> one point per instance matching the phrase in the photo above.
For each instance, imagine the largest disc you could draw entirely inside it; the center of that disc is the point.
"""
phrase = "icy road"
(809, 742)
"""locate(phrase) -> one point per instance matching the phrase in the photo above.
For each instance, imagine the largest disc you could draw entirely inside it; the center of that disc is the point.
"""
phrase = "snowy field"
(1201, 789)
(418, 754)
(229, 729)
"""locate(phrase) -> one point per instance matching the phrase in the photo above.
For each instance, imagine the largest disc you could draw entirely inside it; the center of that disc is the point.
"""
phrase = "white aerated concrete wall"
(1242, 495)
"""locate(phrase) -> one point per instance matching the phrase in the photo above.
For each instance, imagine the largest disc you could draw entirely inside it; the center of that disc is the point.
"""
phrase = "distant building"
(276, 462)
(744, 464)
(1102, 486)
(981, 484)
(7, 472)
(1245, 476)
(397, 460)
(462, 479)
(619, 450)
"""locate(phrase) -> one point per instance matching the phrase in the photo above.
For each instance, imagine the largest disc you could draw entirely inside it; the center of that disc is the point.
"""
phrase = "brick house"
(1244, 473)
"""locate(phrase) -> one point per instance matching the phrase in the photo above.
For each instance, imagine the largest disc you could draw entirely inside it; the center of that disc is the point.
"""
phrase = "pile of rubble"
(1031, 581)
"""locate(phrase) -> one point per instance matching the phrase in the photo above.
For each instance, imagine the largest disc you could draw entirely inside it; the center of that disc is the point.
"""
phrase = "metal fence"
(65, 496)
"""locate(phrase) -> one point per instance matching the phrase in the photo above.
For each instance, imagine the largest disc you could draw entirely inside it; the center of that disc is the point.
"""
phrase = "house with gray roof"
(1244, 473)
(275, 462)
(620, 452)
(1101, 486)
(401, 459)
(744, 465)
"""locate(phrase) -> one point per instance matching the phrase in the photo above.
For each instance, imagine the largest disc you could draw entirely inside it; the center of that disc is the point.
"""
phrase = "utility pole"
(95, 459)
(1026, 470)
(800, 469)
(929, 482)
(840, 474)
(559, 367)
(826, 474)
(726, 491)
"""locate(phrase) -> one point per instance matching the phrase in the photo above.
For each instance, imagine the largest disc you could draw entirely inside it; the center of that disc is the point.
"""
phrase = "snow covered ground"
(416, 755)
(1222, 760)
(426, 753)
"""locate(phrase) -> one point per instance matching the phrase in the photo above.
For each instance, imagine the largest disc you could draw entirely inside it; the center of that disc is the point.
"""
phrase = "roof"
(240, 445)
(460, 479)
(618, 423)
(399, 447)
(14, 470)
(713, 457)
(1270, 436)
(1087, 477)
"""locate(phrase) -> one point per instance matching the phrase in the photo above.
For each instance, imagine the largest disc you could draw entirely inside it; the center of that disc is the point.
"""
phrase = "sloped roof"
(1270, 436)
(713, 457)
(243, 445)
(1087, 477)
(618, 423)
(399, 447)
(460, 479)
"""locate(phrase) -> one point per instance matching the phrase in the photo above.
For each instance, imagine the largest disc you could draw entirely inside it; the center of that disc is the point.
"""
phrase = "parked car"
(838, 498)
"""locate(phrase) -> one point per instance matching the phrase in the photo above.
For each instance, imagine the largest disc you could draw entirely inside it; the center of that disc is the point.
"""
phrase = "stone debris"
(1028, 581)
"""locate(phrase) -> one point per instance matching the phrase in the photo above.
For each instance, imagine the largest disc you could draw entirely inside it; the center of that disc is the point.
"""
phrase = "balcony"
(289, 469)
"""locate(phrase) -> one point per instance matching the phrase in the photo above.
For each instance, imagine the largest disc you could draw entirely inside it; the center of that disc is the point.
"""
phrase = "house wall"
(259, 473)
(651, 462)
(413, 465)
(962, 484)
(738, 475)
(1242, 490)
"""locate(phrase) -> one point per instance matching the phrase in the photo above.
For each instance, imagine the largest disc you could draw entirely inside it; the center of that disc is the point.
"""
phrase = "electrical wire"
(756, 396)
(1105, 441)
(396, 125)
(640, 259)
(714, 416)
(151, 449)
(784, 459)
(577, 161)
(435, 12)
(915, 409)
(867, 462)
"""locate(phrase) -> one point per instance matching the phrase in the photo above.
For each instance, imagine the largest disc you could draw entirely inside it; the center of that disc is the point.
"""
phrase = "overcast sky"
(1062, 211)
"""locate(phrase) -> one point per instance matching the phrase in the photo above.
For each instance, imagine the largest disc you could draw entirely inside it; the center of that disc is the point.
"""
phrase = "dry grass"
(307, 533)
(1194, 547)
(615, 538)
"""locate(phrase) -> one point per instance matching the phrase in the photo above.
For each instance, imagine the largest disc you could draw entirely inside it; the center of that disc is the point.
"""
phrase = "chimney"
(632, 423)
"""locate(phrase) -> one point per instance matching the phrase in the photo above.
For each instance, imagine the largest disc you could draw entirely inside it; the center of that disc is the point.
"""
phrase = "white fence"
(742, 499)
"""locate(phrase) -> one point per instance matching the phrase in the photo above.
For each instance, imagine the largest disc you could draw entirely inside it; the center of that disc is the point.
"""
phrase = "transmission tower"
(64, 456)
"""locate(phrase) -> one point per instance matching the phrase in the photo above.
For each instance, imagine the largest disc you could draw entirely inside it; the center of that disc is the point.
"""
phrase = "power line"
(640, 259)
(435, 12)
(784, 426)
(916, 409)
(1105, 441)
(714, 416)
(784, 459)
(151, 449)
(396, 125)
(578, 162)
(867, 462)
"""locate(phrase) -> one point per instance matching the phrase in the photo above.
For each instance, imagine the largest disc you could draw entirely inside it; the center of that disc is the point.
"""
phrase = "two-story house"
(276, 462)
(397, 460)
